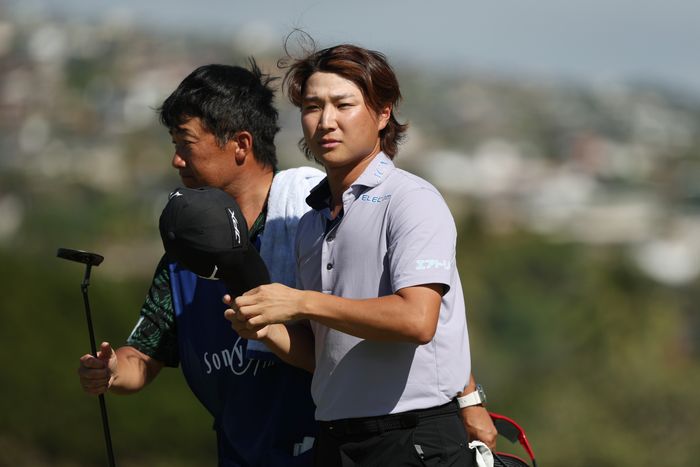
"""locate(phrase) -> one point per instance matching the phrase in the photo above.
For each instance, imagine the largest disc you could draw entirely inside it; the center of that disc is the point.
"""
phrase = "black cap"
(204, 230)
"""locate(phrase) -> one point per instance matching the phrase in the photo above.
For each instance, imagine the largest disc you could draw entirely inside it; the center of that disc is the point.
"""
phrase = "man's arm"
(409, 315)
(292, 342)
(122, 371)
(477, 420)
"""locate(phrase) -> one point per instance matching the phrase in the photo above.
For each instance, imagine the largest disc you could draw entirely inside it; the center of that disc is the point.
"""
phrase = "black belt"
(382, 423)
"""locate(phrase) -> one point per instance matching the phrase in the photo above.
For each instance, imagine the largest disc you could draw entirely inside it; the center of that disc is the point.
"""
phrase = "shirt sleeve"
(421, 240)
(155, 332)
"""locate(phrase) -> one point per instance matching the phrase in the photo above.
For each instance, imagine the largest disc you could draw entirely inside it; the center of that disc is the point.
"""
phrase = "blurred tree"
(582, 349)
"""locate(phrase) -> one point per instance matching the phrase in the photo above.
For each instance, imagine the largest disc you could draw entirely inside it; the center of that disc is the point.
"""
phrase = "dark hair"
(227, 99)
(367, 69)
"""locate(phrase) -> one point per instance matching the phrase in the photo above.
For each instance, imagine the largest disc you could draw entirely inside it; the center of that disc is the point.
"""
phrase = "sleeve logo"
(423, 264)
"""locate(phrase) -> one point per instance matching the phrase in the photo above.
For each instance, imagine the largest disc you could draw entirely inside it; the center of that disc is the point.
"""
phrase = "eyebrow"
(334, 97)
(181, 132)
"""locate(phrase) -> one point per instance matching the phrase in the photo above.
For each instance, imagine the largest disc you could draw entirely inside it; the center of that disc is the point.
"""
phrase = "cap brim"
(243, 271)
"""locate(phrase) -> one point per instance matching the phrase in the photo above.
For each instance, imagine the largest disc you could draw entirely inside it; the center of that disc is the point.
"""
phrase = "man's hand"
(240, 324)
(97, 373)
(269, 304)
(479, 425)
(293, 343)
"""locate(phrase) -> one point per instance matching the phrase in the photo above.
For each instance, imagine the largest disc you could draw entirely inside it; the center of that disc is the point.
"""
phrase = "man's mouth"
(329, 143)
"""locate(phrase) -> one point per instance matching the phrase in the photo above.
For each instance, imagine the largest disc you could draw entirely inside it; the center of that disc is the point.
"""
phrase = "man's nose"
(177, 161)
(328, 118)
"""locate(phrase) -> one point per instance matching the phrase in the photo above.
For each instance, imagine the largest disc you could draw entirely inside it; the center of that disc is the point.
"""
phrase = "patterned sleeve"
(155, 332)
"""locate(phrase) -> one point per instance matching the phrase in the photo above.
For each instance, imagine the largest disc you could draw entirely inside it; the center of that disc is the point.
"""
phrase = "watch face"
(482, 394)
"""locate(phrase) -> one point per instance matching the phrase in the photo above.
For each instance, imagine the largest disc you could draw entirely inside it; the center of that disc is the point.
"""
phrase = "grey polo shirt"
(396, 232)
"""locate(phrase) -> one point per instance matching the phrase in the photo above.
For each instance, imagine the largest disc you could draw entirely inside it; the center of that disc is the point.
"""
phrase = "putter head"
(80, 256)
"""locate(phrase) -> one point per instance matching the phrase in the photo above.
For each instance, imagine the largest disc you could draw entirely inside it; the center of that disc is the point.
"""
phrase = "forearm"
(476, 419)
(134, 371)
(293, 343)
(408, 315)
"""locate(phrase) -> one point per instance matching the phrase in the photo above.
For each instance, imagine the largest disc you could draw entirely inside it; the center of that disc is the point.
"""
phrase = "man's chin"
(190, 182)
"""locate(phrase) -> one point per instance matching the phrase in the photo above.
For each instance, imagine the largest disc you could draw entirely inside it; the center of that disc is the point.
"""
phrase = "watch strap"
(471, 399)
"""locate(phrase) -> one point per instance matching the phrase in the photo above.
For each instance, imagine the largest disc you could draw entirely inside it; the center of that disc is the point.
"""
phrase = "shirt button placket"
(327, 265)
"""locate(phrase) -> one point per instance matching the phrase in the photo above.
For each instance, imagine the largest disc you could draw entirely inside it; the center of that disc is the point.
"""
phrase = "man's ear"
(383, 117)
(242, 143)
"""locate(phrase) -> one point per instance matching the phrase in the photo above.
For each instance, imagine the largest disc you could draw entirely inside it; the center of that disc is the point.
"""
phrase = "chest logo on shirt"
(233, 359)
(375, 199)
(423, 264)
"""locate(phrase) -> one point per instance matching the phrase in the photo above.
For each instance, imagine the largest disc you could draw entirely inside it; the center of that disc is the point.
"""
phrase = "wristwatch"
(477, 397)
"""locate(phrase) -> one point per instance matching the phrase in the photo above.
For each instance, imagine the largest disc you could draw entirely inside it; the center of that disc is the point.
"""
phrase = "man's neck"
(341, 178)
(250, 190)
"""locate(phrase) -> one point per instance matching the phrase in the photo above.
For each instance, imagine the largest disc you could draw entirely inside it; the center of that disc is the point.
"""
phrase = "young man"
(223, 122)
(387, 337)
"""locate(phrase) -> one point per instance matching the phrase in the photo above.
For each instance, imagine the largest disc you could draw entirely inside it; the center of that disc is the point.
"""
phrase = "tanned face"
(340, 129)
(198, 158)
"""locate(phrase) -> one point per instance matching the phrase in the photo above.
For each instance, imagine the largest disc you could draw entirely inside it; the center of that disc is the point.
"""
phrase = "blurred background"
(564, 137)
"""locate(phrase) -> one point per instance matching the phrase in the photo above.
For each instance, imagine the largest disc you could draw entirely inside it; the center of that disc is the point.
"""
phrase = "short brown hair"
(368, 70)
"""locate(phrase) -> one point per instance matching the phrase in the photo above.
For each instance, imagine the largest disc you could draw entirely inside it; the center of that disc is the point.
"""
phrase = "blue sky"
(591, 41)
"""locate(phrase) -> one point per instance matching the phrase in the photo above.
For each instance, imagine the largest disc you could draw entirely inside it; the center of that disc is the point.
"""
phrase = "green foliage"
(47, 420)
(581, 349)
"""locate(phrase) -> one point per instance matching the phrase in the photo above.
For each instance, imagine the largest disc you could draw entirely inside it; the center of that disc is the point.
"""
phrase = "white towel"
(482, 454)
(285, 206)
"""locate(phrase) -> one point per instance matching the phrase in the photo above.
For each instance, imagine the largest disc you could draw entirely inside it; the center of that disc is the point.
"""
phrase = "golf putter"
(90, 260)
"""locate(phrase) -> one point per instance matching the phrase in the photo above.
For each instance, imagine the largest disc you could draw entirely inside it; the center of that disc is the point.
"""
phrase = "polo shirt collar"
(375, 173)
(319, 195)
